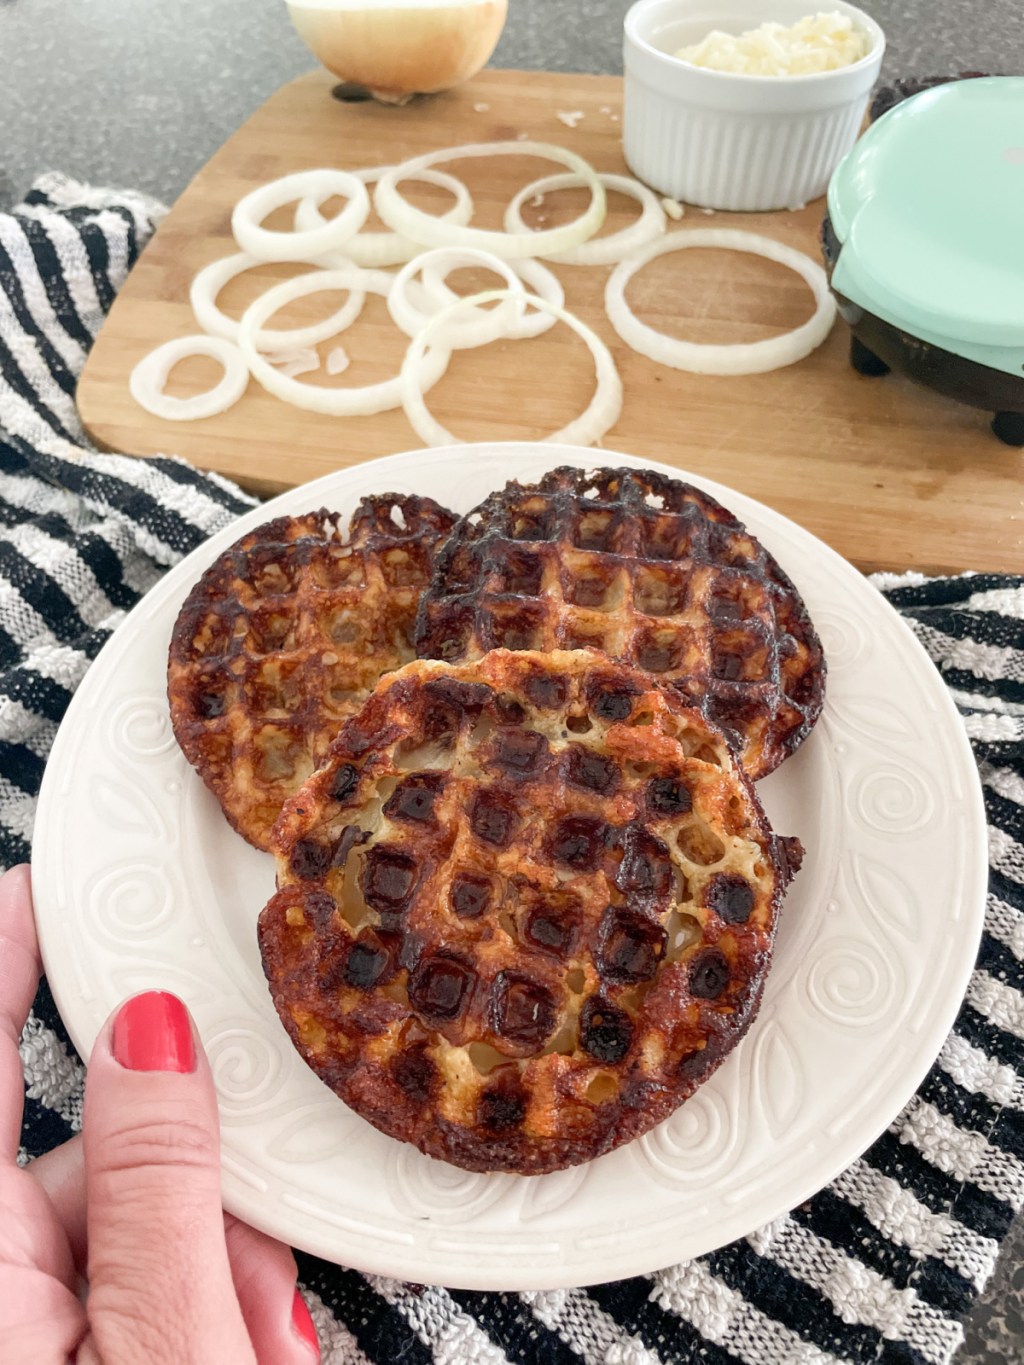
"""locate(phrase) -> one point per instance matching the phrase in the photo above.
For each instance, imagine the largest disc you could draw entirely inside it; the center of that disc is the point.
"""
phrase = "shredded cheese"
(818, 42)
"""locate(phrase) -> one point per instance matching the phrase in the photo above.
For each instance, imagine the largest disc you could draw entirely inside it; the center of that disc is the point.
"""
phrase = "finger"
(263, 1271)
(41, 1320)
(30, 1235)
(160, 1284)
(19, 979)
(61, 1173)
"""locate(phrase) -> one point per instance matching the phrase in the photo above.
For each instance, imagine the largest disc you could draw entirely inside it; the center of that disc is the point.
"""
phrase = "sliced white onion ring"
(478, 327)
(412, 222)
(213, 277)
(600, 250)
(375, 249)
(267, 245)
(363, 401)
(544, 282)
(546, 285)
(147, 380)
(601, 414)
(751, 357)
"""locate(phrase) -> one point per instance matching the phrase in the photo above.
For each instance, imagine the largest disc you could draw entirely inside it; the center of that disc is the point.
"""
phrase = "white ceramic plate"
(139, 882)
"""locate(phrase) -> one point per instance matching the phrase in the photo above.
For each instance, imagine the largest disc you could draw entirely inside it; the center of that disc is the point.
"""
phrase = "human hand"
(135, 1206)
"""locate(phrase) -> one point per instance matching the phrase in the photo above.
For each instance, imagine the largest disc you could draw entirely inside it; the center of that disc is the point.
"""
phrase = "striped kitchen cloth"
(880, 1266)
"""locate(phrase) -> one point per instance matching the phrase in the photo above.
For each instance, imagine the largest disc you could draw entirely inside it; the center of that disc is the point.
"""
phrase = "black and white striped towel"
(879, 1267)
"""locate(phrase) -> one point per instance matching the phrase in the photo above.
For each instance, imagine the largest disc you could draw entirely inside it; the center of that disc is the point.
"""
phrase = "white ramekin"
(736, 142)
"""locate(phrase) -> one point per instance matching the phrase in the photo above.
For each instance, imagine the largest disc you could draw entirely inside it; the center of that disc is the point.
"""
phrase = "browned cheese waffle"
(284, 636)
(524, 909)
(653, 572)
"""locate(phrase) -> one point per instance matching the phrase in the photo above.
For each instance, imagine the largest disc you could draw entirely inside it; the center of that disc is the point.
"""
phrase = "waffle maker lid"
(929, 211)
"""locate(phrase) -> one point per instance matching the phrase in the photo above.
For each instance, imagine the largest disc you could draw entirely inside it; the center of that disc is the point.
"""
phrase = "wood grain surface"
(889, 474)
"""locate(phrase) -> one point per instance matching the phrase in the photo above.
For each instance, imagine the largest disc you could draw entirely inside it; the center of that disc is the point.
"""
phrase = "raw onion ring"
(375, 249)
(412, 222)
(599, 250)
(363, 401)
(601, 413)
(147, 379)
(480, 327)
(213, 277)
(266, 245)
(545, 284)
(751, 357)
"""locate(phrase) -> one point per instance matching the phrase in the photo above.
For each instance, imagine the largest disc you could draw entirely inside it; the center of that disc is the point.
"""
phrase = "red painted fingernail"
(302, 1324)
(152, 1032)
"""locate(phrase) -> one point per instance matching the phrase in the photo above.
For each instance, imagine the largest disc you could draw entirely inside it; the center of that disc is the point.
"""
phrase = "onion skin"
(397, 52)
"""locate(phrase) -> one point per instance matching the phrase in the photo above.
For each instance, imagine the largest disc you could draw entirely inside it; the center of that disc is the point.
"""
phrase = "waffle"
(653, 572)
(284, 636)
(524, 909)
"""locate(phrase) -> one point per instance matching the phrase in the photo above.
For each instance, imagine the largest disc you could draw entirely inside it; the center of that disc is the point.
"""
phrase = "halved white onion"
(147, 379)
(600, 250)
(479, 327)
(363, 401)
(752, 357)
(601, 414)
(544, 282)
(400, 48)
(213, 277)
(373, 250)
(267, 245)
(412, 222)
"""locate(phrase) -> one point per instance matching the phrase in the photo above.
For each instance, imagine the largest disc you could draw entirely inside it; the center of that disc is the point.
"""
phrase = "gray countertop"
(140, 93)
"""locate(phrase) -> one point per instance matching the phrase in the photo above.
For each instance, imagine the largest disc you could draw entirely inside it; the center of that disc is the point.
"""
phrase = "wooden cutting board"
(891, 475)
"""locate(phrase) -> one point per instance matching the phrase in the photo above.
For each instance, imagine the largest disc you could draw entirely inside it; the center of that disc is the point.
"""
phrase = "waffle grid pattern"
(524, 909)
(284, 636)
(648, 569)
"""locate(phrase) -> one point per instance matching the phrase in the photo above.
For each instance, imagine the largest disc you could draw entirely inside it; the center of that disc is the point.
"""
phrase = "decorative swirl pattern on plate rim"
(693, 1145)
(248, 1068)
(842, 638)
(129, 903)
(625, 1217)
(433, 1190)
(143, 727)
(893, 802)
(852, 984)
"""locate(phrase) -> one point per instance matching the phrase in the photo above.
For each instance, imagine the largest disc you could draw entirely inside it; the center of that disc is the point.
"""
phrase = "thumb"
(160, 1285)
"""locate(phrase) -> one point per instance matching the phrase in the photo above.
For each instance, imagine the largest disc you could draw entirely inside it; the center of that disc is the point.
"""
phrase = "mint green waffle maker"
(924, 245)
